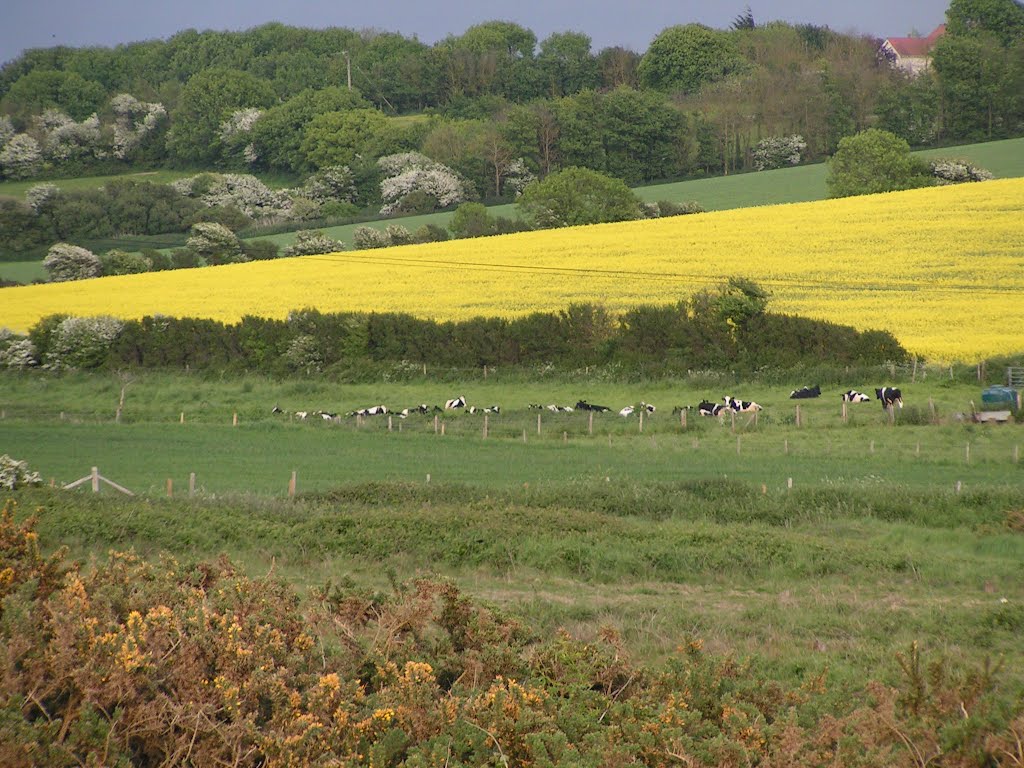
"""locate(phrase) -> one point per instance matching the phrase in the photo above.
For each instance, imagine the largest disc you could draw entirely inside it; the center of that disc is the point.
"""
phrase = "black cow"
(853, 396)
(583, 405)
(889, 396)
(805, 392)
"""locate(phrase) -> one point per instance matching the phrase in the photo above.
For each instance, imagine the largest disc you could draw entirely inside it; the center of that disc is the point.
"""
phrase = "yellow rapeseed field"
(942, 268)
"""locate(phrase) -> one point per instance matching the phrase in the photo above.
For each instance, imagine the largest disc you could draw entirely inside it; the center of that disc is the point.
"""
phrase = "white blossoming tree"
(236, 133)
(412, 176)
(81, 342)
(309, 242)
(37, 195)
(215, 244)
(67, 262)
(133, 121)
(778, 152)
(65, 141)
(243, 191)
(21, 157)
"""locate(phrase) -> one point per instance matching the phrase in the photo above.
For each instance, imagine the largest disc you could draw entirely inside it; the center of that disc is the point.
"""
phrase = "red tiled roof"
(916, 46)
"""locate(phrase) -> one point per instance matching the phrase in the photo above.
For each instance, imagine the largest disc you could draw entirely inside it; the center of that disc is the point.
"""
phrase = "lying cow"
(456, 402)
(890, 396)
(853, 396)
(805, 392)
(583, 405)
(488, 409)
(373, 410)
(741, 406)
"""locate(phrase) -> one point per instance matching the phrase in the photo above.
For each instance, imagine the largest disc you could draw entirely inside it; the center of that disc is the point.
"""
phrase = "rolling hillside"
(918, 263)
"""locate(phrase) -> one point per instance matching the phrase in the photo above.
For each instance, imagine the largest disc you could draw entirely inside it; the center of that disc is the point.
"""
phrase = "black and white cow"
(302, 414)
(583, 405)
(627, 411)
(853, 396)
(647, 407)
(805, 392)
(488, 409)
(327, 415)
(889, 396)
(276, 409)
(455, 402)
(707, 408)
(422, 409)
(741, 406)
(373, 410)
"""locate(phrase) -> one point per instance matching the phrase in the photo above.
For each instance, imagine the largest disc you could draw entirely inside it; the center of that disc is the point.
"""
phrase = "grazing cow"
(302, 414)
(627, 411)
(276, 409)
(889, 396)
(853, 396)
(647, 407)
(706, 408)
(741, 406)
(805, 392)
(583, 405)
(456, 402)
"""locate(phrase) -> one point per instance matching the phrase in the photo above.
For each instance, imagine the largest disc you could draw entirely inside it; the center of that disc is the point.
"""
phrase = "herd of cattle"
(889, 397)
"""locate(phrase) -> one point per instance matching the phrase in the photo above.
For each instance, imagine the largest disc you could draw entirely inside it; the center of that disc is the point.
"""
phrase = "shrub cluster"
(729, 328)
(143, 664)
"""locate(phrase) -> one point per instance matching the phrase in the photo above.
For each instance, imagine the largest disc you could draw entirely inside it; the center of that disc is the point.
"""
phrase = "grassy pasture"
(664, 534)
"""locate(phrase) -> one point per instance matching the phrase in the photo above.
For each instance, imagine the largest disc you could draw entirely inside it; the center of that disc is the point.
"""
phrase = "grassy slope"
(787, 185)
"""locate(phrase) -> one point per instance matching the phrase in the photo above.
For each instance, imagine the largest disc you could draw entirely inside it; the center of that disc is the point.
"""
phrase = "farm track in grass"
(917, 263)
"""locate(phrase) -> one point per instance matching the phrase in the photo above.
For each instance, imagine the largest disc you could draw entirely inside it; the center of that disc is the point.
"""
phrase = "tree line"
(698, 101)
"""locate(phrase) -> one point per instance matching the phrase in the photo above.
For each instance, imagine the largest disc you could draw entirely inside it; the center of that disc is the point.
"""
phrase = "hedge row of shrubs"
(727, 329)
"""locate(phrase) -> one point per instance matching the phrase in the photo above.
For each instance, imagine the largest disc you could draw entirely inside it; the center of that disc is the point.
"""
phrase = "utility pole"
(348, 68)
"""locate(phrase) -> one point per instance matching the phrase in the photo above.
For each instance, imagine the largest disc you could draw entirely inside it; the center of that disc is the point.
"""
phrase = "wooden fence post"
(442, 429)
(785, 446)
(234, 419)
(1016, 454)
(872, 449)
(170, 488)
(590, 423)
(435, 424)
(682, 418)
(789, 483)
(182, 419)
(538, 423)
(967, 453)
(642, 419)
(892, 413)
(389, 422)
(291, 485)
(845, 413)
(485, 426)
(191, 483)
(798, 422)
(95, 476)
(524, 435)
(565, 437)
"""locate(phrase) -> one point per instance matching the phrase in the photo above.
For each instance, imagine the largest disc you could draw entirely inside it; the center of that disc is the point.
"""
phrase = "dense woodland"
(276, 99)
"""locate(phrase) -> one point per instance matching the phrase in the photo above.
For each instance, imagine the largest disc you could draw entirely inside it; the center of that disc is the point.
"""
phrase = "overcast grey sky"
(629, 23)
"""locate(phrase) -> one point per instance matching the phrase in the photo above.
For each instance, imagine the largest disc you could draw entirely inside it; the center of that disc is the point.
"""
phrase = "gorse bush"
(111, 661)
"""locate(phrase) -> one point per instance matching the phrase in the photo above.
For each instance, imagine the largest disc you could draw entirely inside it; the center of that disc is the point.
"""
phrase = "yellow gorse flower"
(942, 268)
